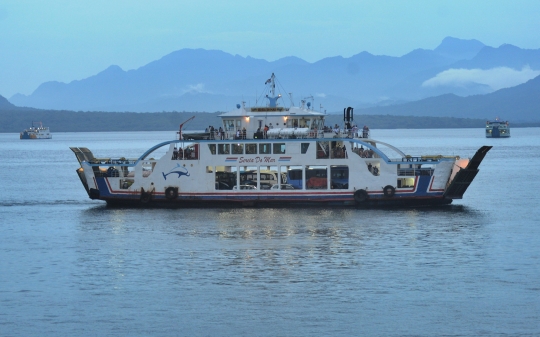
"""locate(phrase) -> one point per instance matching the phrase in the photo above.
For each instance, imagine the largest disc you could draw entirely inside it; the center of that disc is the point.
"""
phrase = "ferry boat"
(497, 129)
(277, 156)
(36, 132)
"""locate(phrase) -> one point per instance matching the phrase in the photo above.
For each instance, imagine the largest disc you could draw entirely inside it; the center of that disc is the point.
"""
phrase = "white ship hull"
(428, 180)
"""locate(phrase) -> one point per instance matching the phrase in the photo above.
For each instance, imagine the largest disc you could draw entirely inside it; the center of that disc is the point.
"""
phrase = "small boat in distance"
(36, 132)
(497, 129)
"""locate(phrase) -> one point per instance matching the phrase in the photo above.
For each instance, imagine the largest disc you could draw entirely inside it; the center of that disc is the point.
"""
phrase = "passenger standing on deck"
(175, 153)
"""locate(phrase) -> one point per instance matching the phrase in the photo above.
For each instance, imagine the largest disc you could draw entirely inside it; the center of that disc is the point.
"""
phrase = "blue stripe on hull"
(419, 196)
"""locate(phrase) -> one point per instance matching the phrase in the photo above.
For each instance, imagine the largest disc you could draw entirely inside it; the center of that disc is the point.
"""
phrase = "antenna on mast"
(309, 104)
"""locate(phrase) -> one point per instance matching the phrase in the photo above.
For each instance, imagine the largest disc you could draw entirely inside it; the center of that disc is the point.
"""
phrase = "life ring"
(389, 191)
(171, 193)
(360, 196)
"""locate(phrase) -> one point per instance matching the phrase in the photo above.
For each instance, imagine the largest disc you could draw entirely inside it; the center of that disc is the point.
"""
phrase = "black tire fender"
(93, 193)
(360, 196)
(389, 191)
(145, 196)
(171, 193)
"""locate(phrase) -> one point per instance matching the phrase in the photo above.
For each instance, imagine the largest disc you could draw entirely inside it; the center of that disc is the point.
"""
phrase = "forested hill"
(70, 121)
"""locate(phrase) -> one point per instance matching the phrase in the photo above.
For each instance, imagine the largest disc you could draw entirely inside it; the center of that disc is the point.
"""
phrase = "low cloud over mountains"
(494, 78)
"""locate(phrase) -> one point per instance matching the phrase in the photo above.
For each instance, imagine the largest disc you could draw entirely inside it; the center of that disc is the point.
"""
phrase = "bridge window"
(228, 124)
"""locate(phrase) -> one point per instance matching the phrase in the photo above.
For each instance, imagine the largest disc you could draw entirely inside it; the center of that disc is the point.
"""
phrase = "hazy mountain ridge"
(212, 80)
(69, 121)
(5, 104)
(459, 49)
(517, 104)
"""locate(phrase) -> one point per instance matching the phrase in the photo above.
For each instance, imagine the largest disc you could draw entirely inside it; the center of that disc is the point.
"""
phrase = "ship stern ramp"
(464, 176)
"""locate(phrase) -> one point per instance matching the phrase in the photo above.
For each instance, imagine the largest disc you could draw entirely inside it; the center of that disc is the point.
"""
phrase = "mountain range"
(456, 72)
(518, 104)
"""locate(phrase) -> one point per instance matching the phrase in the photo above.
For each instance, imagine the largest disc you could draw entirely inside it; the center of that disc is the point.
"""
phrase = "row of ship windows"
(262, 148)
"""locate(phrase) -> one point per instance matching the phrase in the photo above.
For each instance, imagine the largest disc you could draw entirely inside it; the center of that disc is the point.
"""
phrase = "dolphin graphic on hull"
(181, 171)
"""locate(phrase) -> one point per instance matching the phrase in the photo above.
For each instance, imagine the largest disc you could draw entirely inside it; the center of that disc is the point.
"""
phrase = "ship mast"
(273, 98)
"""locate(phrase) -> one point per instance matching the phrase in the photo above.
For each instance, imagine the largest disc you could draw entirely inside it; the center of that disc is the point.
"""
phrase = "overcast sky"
(66, 40)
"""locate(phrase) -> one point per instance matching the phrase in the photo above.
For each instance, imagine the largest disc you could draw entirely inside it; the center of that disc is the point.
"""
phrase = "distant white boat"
(36, 132)
(497, 129)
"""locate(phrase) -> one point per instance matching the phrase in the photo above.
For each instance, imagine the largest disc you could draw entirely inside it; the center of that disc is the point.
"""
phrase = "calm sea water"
(70, 266)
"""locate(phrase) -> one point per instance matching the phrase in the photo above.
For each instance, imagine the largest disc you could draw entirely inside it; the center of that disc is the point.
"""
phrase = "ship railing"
(345, 133)
(110, 161)
(420, 158)
(275, 133)
(364, 153)
(415, 172)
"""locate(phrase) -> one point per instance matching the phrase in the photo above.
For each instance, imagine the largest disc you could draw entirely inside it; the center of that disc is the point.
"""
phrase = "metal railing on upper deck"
(275, 133)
